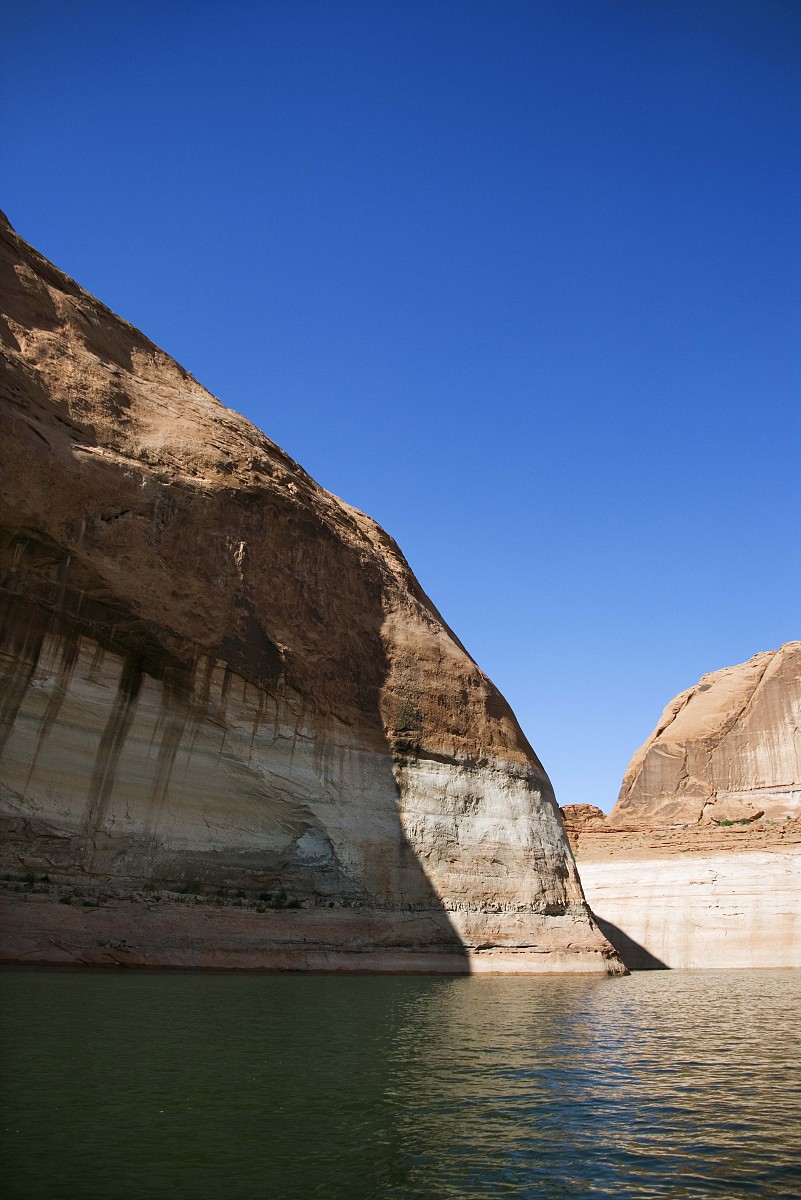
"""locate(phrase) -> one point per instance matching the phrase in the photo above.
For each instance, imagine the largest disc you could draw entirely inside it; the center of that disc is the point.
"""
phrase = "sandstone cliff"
(219, 680)
(725, 750)
(700, 897)
(699, 863)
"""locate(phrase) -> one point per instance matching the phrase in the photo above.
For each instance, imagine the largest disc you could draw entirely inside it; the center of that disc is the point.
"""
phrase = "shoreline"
(38, 929)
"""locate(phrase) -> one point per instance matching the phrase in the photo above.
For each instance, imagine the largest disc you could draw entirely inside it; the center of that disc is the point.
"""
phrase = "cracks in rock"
(749, 703)
(710, 745)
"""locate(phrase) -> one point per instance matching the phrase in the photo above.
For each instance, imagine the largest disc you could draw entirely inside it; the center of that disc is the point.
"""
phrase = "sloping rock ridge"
(728, 749)
(234, 731)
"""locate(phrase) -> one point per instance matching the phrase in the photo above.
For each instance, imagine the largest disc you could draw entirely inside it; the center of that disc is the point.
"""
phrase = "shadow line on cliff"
(392, 904)
(634, 955)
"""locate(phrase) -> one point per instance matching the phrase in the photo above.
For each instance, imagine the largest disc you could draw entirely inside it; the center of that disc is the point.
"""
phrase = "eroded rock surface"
(699, 863)
(728, 749)
(216, 676)
(578, 818)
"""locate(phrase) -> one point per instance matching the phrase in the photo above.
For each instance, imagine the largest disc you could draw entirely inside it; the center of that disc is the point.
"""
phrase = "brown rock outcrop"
(582, 818)
(701, 860)
(220, 678)
(728, 749)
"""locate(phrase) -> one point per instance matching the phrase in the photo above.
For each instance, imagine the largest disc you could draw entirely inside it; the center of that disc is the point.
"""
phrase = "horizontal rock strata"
(699, 863)
(218, 677)
(698, 898)
(98, 927)
(579, 818)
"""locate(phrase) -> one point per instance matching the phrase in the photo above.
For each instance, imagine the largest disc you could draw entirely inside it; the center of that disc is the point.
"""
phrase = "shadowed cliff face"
(215, 671)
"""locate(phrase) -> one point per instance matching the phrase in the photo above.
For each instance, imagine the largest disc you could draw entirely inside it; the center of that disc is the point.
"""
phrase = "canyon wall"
(699, 863)
(698, 897)
(234, 731)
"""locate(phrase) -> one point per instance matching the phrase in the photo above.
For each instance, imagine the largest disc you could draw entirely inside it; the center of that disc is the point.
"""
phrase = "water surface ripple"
(256, 1087)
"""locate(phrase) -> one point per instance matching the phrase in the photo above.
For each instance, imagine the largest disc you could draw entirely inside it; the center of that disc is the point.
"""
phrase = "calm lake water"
(663, 1084)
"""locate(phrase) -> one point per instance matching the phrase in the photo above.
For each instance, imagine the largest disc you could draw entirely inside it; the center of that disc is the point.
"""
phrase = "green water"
(664, 1084)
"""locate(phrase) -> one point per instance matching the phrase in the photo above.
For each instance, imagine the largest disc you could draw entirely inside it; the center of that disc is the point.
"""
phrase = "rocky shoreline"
(83, 923)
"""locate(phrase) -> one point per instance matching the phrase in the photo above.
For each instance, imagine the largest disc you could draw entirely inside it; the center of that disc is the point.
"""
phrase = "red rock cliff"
(217, 673)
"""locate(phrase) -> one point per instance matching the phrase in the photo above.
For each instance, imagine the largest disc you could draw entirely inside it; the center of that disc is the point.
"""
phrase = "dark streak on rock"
(107, 759)
(173, 719)
(69, 655)
(22, 638)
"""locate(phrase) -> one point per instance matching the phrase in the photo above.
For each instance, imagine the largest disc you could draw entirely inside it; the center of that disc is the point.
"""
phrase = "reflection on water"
(205, 1086)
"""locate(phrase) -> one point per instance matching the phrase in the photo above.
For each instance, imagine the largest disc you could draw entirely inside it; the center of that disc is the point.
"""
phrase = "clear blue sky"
(519, 279)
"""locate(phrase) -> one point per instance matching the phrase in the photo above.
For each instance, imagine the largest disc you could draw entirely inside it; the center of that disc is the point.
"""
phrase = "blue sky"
(519, 279)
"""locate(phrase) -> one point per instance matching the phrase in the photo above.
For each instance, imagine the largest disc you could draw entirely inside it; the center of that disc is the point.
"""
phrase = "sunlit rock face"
(703, 899)
(216, 673)
(725, 750)
(580, 818)
(698, 864)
